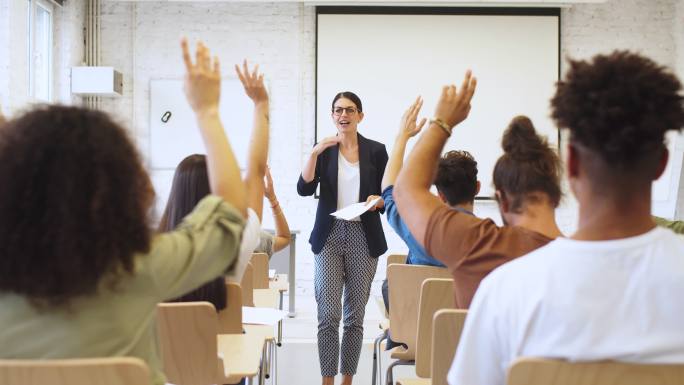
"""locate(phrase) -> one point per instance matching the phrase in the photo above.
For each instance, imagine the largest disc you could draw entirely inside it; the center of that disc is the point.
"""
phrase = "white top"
(578, 300)
(348, 183)
(250, 240)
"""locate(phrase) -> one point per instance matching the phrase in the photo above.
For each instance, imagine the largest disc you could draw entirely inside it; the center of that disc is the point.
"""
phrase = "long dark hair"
(191, 184)
(527, 167)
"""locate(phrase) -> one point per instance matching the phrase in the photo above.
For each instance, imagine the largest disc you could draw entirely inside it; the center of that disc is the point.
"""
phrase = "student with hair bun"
(527, 183)
(610, 291)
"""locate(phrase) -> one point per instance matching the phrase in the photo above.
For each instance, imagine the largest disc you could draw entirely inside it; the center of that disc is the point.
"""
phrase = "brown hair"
(528, 166)
(456, 177)
(191, 184)
(74, 204)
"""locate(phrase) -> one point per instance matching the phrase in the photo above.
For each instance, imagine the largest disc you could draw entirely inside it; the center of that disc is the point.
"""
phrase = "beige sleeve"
(205, 244)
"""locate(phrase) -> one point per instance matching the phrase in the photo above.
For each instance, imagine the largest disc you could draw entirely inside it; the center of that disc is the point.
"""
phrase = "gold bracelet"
(442, 125)
(277, 212)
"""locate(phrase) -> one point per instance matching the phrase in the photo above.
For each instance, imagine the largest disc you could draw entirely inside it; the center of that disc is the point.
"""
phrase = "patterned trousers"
(343, 263)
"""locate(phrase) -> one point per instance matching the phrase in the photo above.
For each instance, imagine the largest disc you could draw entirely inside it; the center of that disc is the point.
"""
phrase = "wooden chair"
(230, 322)
(193, 352)
(384, 323)
(230, 318)
(436, 294)
(539, 371)
(405, 283)
(396, 259)
(247, 284)
(260, 263)
(446, 333)
(80, 371)
(263, 295)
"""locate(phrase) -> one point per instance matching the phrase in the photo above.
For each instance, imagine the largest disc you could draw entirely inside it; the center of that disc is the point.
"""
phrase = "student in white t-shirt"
(612, 291)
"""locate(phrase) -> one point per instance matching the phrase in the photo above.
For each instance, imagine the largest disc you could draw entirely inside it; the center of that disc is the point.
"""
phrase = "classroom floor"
(298, 357)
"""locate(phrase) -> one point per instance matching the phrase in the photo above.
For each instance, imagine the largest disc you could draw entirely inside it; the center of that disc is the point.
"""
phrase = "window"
(40, 50)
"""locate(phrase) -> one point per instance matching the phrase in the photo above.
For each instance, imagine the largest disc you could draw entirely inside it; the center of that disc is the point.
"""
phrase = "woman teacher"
(349, 169)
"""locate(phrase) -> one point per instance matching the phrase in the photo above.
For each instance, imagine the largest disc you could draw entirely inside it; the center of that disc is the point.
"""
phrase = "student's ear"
(360, 116)
(477, 187)
(442, 197)
(573, 161)
(662, 163)
(501, 199)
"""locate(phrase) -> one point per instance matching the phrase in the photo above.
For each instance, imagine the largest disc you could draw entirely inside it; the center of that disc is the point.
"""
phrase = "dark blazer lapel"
(332, 169)
(364, 166)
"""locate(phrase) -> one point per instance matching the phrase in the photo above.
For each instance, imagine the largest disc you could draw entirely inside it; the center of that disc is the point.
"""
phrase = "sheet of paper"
(261, 315)
(271, 273)
(355, 209)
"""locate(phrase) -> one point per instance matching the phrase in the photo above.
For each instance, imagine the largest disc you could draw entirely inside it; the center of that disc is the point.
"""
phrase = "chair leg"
(267, 358)
(390, 369)
(380, 358)
(375, 362)
(275, 364)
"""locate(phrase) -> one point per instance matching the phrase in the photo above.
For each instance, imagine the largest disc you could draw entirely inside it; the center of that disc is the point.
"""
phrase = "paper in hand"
(355, 209)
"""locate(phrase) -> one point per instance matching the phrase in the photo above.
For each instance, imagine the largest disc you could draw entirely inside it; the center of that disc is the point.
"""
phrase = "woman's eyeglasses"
(337, 111)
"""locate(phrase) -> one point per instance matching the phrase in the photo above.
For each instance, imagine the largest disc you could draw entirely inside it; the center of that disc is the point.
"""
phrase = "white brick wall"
(141, 41)
(68, 24)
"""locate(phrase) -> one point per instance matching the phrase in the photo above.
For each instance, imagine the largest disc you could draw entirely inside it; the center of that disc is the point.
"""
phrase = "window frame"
(32, 50)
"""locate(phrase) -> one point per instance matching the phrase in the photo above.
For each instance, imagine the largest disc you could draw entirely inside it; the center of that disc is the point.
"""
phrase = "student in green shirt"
(80, 271)
(676, 226)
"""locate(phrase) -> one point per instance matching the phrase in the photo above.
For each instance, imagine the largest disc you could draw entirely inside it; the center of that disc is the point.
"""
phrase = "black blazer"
(372, 162)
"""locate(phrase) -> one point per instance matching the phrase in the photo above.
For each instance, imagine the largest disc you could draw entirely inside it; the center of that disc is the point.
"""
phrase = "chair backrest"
(538, 371)
(187, 339)
(446, 333)
(80, 371)
(435, 294)
(260, 265)
(247, 285)
(230, 318)
(396, 259)
(405, 282)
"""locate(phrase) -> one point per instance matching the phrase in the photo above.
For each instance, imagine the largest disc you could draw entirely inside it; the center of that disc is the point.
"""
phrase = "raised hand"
(454, 105)
(253, 83)
(408, 127)
(203, 79)
(325, 143)
(269, 192)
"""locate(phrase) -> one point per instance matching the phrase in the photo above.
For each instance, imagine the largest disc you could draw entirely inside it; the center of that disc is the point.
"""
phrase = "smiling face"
(346, 116)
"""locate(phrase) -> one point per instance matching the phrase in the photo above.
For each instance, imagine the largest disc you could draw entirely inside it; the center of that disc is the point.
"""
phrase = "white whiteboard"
(179, 137)
(390, 59)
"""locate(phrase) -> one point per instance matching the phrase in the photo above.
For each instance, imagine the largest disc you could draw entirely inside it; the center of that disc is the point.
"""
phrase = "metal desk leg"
(292, 277)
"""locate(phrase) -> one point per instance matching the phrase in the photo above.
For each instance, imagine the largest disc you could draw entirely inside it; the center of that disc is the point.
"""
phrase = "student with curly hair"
(80, 271)
(611, 290)
(527, 186)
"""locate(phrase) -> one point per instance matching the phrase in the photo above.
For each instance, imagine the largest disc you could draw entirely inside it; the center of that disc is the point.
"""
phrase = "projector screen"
(388, 56)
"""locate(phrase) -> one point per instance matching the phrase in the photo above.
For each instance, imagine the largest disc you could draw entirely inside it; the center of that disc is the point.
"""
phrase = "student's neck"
(602, 216)
(349, 140)
(464, 206)
(540, 218)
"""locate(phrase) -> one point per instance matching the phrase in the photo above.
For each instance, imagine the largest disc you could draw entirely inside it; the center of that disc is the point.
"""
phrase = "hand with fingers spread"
(269, 192)
(203, 89)
(203, 79)
(408, 127)
(454, 104)
(253, 83)
(325, 143)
